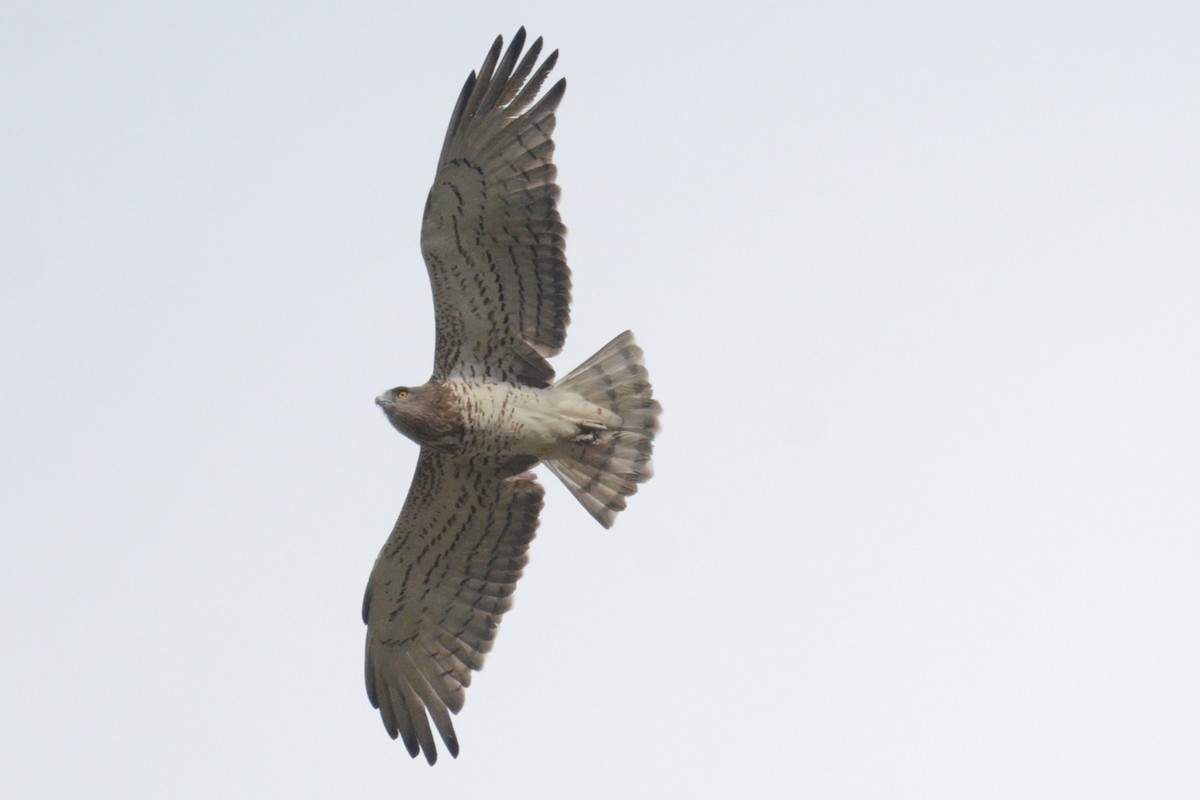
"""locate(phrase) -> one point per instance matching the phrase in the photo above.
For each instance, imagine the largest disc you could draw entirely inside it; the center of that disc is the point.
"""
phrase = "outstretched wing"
(491, 236)
(440, 586)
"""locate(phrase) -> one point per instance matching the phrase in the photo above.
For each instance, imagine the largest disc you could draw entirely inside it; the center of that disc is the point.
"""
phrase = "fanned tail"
(603, 473)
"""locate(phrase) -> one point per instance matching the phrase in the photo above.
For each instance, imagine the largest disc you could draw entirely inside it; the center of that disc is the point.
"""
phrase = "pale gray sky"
(917, 285)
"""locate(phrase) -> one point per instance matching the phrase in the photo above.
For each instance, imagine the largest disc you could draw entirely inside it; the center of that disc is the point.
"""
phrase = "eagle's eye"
(402, 393)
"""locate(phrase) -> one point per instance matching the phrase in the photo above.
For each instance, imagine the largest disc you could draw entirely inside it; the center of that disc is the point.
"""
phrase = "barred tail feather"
(602, 474)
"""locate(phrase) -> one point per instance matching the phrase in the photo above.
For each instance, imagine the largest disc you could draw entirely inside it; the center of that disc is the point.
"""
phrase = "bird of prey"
(493, 245)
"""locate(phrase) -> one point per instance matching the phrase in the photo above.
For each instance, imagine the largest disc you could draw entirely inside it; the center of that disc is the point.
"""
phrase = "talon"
(589, 431)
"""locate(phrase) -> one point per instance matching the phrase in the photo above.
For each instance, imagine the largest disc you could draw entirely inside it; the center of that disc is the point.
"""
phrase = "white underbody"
(524, 420)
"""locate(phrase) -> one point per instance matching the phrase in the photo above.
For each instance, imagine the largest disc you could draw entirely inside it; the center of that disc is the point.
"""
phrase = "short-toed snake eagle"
(493, 245)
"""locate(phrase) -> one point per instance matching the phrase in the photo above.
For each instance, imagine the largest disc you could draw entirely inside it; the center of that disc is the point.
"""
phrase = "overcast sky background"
(917, 285)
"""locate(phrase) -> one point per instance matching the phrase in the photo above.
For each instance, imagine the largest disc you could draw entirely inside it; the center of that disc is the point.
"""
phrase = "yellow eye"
(403, 393)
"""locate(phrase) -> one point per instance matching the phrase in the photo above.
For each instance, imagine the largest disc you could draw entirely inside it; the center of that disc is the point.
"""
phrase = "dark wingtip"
(556, 92)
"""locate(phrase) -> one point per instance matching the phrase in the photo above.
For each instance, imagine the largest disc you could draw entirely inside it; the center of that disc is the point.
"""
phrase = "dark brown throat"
(431, 417)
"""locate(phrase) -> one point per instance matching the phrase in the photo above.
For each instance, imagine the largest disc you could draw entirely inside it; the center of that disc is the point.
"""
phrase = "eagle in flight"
(493, 245)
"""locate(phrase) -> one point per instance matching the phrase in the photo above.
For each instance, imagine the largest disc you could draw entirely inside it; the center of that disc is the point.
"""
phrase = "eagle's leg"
(589, 431)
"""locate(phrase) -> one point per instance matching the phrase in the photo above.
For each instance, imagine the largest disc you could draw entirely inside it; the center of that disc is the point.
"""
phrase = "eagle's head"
(426, 414)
